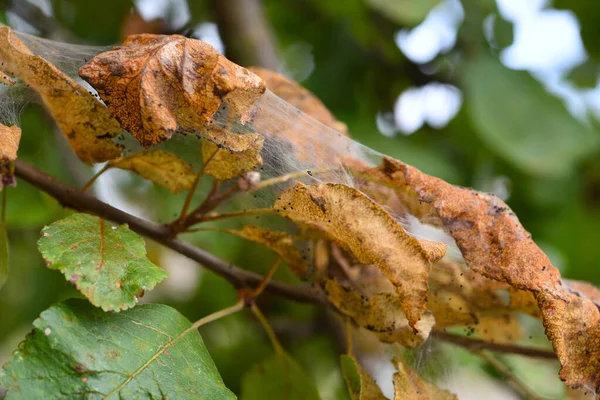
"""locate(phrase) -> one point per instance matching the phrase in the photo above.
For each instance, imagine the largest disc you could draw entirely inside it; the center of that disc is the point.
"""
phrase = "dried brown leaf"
(495, 245)
(381, 313)
(161, 167)
(155, 85)
(9, 142)
(84, 121)
(362, 227)
(225, 164)
(280, 243)
(409, 385)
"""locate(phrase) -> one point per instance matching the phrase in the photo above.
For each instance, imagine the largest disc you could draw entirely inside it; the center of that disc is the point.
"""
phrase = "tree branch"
(73, 198)
(475, 345)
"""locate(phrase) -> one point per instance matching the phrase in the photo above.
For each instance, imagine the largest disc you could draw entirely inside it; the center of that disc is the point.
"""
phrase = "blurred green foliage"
(509, 126)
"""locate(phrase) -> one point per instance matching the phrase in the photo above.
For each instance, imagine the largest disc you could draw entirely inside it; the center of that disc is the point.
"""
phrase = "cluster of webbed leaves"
(372, 271)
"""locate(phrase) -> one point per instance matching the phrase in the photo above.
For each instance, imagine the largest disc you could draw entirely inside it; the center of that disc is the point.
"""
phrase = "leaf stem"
(233, 214)
(260, 288)
(203, 321)
(192, 191)
(268, 329)
(91, 181)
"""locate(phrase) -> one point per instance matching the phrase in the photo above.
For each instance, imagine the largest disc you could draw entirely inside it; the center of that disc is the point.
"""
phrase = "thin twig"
(260, 288)
(192, 191)
(73, 198)
(93, 179)
(477, 344)
(234, 214)
(267, 327)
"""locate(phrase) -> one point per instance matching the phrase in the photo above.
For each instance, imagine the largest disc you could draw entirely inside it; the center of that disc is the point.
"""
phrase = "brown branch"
(475, 345)
(73, 198)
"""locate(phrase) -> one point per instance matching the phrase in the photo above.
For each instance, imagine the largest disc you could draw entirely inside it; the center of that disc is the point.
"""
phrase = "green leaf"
(360, 385)
(278, 377)
(107, 264)
(404, 12)
(3, 254)
(78, 351)
(515, 116)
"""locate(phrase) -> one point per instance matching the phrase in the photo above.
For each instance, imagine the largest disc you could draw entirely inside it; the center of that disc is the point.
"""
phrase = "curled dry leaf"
(225, 164)
(409, 385)
(10, 136)
(9, 144)
(84, 121)
(495, 245)
(362, 227)
(360, 384)
(381, 313)
(279, 242)
(161, 167)
(155, 85)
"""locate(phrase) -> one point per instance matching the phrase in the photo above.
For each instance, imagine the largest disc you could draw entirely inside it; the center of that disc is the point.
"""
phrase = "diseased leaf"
(381, 313)
(533, 130)
(278, 377)
(488, 234)
(9, 142)
(84, 121)
(409, 385)
(371, 234)
(155, 85)
(78, 351)
(225, 164)
(107, 264)
(495, 245)
(159, 166)
(360, 384)
(279, 242)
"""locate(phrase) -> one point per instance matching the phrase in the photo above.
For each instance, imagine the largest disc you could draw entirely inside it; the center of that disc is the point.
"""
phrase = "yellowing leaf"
(155, 85)
(494, 244)
(360, 384)
(409, 385)
(9, 142)
(225, 164)
(280, 242)
(161, 167)
(84, 121)
(371, 234)
(381, 313)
